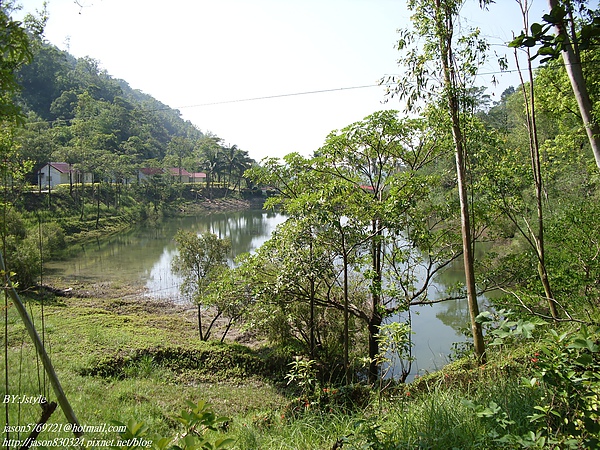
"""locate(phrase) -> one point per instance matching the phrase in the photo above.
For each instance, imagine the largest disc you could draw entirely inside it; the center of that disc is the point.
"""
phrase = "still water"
(142, 257)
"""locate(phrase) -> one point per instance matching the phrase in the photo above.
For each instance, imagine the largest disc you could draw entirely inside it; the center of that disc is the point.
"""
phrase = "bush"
(11, 224)
(213, 361)
(565, 375)
(23, 259)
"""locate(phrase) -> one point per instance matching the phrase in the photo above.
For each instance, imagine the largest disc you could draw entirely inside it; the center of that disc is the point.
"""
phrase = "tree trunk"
(98, 204)
(376, 319)
(312, 317)
(200, 322)
(82, 197)
(226, 330)
(346, 306)
(573, 67)
(49, 189)
(534, 149)
(70, 180)
(212, 322)
(374, 323)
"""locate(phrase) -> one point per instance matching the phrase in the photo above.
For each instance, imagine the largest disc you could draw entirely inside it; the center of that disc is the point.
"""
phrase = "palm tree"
(209, 150)
(236, 162)
(243, 162)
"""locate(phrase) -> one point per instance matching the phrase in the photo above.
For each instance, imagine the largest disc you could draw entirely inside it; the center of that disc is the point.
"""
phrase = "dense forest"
(508, 188)
(75, 112)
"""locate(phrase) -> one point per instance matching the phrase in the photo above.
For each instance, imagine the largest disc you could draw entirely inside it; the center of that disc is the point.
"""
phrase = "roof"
(198, 175)
(62, 167)
(175, 171)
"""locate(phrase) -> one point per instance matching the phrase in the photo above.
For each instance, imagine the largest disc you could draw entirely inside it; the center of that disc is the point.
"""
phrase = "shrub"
(212, 361)
(11, 224)
(565, 372)
(23, 259)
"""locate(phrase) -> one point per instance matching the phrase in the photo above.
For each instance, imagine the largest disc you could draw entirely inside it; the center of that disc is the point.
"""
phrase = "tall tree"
(209, 155)
(457, 58)
(565, 28)
(359, 193)
(180, 148)
(15, 48)
(572, 36)
(16, 51)
(372, 166)
(536, 168)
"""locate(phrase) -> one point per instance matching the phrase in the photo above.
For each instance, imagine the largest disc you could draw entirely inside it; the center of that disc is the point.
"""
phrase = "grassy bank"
(122, 357)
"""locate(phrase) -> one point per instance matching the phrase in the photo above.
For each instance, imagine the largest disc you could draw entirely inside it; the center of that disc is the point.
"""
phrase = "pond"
(142, 256)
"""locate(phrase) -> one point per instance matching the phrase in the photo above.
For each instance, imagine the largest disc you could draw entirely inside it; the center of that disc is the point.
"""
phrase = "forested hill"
(77, 113)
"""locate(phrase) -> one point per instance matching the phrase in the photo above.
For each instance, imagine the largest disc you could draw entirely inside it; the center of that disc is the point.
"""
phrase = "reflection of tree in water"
(455, 314)
(242, 228)
(149, 248)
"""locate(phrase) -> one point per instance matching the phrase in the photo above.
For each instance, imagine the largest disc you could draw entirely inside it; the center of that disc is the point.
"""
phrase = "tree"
(180, 148)
(200, 260)
(361, 198)
(209, 154)
(230, 295)
(457, 58)
(537, 236)
(15, 48)
(372, 167)
(237, 162)
(569, 42)
(16, 51)
(293, 277)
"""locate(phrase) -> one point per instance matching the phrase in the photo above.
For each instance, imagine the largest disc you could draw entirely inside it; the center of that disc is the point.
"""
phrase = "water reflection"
(142, 256)
(438, 326)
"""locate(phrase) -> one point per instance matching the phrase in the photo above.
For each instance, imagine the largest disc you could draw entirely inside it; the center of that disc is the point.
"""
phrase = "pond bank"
(225, 204)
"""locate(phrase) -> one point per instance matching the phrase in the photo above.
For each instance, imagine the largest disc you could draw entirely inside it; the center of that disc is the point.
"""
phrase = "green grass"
(84, 334)
(121, 359)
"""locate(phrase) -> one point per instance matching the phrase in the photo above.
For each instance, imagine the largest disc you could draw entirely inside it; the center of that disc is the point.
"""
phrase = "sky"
(270, 76)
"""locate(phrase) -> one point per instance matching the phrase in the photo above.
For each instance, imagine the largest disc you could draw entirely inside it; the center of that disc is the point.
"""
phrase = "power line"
(295, 94)
(267, 97)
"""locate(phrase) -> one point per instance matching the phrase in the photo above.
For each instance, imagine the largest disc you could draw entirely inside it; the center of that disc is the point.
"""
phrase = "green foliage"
(201, 258)
(78, 113)
(12, 223)
(508, 329)
(565, 375)
(201, 261)
(574, 245)
(303, 374)
(279, 282)
(395, 344)
(212, 362)
(316, 396)
(561, 15)
(198, 419)
(568, 370)
(15, 49)
(363, 227)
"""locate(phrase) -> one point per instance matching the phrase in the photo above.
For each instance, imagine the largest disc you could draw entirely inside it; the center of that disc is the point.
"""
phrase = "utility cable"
(267, 97)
